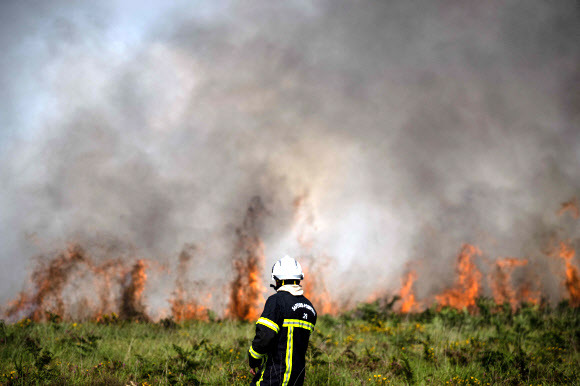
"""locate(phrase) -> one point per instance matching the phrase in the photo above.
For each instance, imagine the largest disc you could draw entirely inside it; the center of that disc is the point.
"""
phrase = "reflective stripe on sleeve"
(298, 323)
(268, 323)
(255, 354)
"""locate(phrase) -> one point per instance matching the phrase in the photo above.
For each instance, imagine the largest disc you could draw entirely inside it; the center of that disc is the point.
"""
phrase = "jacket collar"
(294, 289)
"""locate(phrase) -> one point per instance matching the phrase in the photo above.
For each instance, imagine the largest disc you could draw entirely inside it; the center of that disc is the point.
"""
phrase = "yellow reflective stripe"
(298, 323)
(289, 349)
(268, 323)
(263, 370)
(255, 354)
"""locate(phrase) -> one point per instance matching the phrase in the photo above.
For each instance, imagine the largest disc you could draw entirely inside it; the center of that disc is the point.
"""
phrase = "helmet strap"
(280, 283)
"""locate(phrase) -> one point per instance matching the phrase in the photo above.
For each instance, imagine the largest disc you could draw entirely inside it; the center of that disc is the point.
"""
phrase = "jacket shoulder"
(272, 302)
(307, 301)
(275, 297)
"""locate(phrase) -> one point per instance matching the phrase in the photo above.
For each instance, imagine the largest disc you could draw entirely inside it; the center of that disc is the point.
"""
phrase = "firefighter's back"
(277, 355)
(296, 318)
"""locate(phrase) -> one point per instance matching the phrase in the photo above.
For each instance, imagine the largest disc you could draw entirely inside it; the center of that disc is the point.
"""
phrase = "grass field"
(371, 345)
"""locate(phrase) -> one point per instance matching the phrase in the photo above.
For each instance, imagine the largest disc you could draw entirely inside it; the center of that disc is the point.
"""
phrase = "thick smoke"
(408, 127)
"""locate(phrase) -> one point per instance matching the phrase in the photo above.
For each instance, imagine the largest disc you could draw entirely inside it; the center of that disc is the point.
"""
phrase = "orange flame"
(526, 294)
(468, 285)
(182, 309)
(315, 290)
(51, 277)
(105, 274)
(118, 284)
(408, 302)
(246, 296)
(182, 306)
(132, 307)
(49, 280)
(572, 281)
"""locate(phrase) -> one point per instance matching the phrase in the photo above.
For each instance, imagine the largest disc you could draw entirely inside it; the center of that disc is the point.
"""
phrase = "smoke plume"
(377, 136)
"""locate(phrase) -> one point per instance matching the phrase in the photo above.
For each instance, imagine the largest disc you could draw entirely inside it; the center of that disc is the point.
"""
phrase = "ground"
(489, 345)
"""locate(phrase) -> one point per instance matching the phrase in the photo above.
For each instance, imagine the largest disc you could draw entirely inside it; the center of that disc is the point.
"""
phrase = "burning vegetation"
(408, 302)
(315, 289)
(500, 280)
(572, 277)
(132, 307)
(184, 306)
(246, 299)
(468, 285)
(118, 284)
(52, 276)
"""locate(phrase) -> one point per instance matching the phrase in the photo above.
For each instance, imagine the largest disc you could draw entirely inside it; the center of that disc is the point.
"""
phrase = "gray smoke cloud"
(411, 127)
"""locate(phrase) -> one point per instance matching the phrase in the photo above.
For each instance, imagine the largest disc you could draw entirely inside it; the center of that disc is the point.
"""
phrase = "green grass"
(535, 345)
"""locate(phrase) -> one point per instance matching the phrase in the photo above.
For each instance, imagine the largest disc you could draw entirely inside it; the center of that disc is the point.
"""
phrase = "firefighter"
(277, 355)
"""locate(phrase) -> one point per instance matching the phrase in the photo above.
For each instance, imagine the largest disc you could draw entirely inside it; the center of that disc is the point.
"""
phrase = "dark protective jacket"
(282, 334)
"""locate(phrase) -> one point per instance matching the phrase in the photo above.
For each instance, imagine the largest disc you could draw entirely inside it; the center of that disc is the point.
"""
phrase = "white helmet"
(287, 269)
